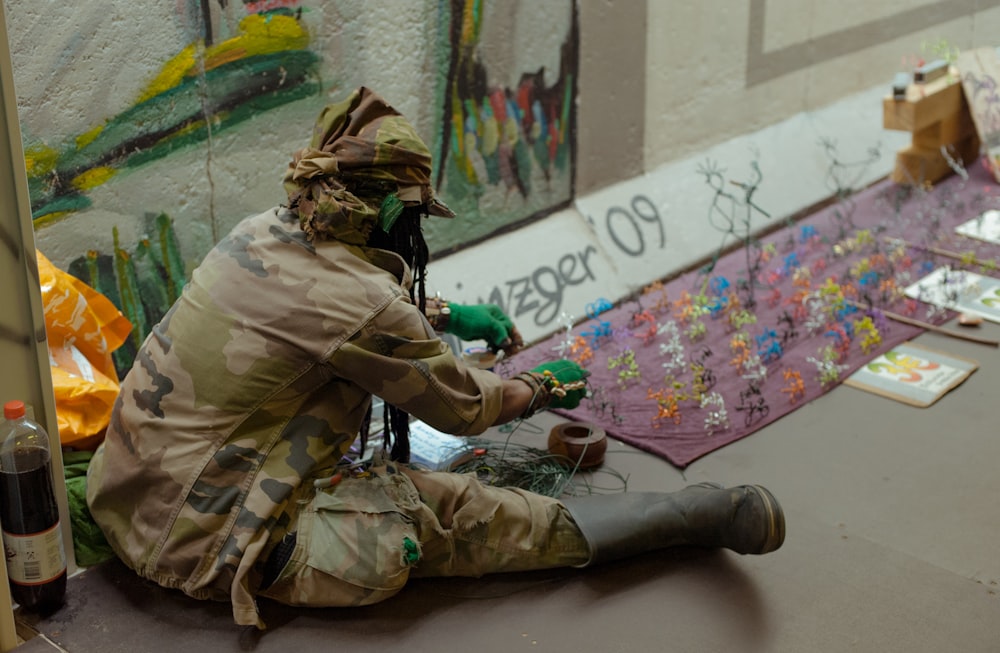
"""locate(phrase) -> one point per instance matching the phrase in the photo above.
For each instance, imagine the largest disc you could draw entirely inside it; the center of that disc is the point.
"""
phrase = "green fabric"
(480, 322)
(89, 545)
(392, 208)
(571, 376)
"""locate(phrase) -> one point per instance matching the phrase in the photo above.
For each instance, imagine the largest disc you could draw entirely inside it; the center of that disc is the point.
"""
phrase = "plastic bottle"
(32, 539)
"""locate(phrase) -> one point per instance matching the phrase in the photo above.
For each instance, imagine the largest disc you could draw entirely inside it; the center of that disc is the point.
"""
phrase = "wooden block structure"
(937, 115)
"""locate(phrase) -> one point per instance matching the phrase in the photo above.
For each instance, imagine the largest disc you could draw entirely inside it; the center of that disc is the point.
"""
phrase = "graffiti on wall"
(206, 87)
(504, 140)
(506, 152)
(634, 229)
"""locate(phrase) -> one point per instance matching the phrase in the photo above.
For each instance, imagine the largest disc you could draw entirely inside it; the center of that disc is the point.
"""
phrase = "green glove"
(483, 322)
(570, 385)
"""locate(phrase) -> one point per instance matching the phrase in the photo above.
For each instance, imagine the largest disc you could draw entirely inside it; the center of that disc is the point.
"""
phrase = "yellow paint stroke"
(258, 35)
(88, 136)
(172, 73)
(40, 160)
(192, 126)
(93, 178)
(50, 218)
(471, 22)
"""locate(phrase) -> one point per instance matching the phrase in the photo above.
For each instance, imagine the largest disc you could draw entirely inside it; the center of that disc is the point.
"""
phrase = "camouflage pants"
(359, 541)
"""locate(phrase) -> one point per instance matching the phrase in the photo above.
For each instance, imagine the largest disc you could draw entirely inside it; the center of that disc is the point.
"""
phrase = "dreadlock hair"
(405, 238)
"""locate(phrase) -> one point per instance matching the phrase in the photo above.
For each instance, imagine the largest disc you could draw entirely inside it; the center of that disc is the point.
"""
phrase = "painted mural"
(497, 103)
(506, 148)
(204, 87)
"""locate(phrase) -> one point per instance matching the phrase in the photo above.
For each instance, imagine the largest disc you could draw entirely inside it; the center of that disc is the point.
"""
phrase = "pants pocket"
(354, 546)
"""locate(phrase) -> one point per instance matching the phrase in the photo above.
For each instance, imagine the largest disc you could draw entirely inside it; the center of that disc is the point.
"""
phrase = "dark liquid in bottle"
(28, 506)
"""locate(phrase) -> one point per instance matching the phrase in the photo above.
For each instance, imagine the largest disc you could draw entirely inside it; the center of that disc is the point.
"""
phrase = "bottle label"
(34, 559)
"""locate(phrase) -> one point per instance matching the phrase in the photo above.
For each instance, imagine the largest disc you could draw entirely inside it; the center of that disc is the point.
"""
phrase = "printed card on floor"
(958, 290)
(912, 374)
(985, 226)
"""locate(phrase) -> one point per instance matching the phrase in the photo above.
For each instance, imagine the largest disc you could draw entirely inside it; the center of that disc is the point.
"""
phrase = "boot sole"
(775, 520)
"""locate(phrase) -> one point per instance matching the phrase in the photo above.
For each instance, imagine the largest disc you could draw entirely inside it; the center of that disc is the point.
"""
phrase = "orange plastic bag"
(83, 329)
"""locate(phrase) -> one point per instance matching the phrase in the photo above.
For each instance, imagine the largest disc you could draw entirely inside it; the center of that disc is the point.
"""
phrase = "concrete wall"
(196, 113)
(719, 69)
(660, 93)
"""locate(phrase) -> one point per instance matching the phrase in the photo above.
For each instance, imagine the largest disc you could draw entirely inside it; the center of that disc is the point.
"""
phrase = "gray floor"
(892, 531)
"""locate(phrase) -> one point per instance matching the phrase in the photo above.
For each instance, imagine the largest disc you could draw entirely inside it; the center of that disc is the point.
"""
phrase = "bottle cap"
(13, 409)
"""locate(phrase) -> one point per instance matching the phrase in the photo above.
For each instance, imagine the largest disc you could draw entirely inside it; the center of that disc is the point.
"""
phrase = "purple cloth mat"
(841, 241)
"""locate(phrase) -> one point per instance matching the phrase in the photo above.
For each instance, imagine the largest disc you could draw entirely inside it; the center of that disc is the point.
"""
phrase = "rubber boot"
(745, 519)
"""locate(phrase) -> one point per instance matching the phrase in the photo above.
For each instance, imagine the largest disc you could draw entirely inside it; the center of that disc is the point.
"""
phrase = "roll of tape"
(582, 444)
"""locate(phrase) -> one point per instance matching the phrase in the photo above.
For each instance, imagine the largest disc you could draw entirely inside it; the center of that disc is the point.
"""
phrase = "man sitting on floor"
(222, 472)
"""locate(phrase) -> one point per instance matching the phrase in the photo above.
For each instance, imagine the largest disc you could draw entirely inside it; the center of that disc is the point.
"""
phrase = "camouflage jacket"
(253, 385)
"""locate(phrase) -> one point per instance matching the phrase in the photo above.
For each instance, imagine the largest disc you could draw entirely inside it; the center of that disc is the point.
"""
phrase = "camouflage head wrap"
(362, 150)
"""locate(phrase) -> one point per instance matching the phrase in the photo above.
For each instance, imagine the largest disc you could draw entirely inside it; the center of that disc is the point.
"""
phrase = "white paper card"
(983, 227)
(958, 290)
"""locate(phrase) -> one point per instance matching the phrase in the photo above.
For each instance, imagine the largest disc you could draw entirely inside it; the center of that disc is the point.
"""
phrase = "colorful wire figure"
(818, 266)
(687, 309)
(696, 331)
(667, 406)
(754, 370)
(718, 285)
(828, 370)
(716, 417)
(800, 311)
(817, 315)
(870, 337)
(842, 336)
(739, 346)
(581, 352)
(769, 346)
(673, 348)
(773, 298)
(753, 405)
(802, 278)
(732, 305)
(629, 367)
(598, 333)
(794, 387)
(566, 343)
(651, 330)
(598, 306)
(741, 318)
